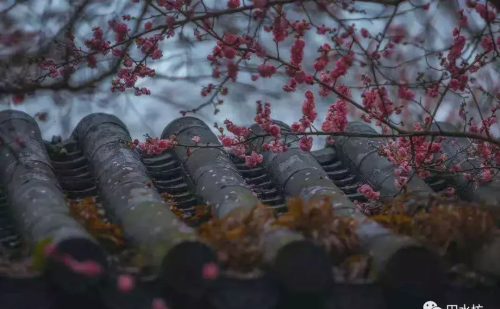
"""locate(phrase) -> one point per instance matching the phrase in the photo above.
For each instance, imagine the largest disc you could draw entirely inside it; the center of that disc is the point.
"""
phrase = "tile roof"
(38, 178)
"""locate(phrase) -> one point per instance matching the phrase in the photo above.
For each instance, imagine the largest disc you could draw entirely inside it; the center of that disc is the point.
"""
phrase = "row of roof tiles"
(95, 162)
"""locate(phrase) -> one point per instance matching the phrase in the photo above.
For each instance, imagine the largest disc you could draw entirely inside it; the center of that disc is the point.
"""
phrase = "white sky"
(149, 114)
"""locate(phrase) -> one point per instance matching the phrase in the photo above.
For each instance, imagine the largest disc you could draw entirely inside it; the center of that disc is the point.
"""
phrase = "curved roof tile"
(95, 161)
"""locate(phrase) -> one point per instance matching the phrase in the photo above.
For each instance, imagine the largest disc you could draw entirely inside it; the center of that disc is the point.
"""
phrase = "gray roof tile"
(95, 162)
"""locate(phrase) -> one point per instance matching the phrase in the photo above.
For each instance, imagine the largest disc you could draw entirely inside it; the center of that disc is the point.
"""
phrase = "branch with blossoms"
(360, 72)
(411, 153)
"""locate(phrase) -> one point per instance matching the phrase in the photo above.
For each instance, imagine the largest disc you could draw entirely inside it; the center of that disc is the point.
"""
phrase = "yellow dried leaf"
(38, 258)
(235, 233)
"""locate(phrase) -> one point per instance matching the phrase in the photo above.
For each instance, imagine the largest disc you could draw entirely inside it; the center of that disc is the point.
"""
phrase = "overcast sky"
(150, 114)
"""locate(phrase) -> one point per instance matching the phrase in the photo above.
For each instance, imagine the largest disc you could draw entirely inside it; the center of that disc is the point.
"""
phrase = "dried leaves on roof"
(87, 213)
(454, 229)
(317, 221)
(238, 238)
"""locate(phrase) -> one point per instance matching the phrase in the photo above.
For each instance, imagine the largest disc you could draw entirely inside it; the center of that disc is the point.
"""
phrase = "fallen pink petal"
(125, 283)
(158, 303)
(210, 271)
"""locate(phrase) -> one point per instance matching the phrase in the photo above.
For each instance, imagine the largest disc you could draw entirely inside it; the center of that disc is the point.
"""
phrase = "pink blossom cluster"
(149, 46)
(237, 143)
(309, 114)
(297, 52)
(120, 29)
(433, 91)
(405, 94)
(263, 119)
(233, 4)
(97, 42)
(378, 103)
(336, 117)
(266, 70)
(279, 28)
(341, 67)
(414, 154)
(127, 77)
(323, 59)
(227, 50)
(368, 192)
(74, 55)
(171, 5)
(487, 13)
(154, 145)
(294, 70)
(242, 134)
(300, 27)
